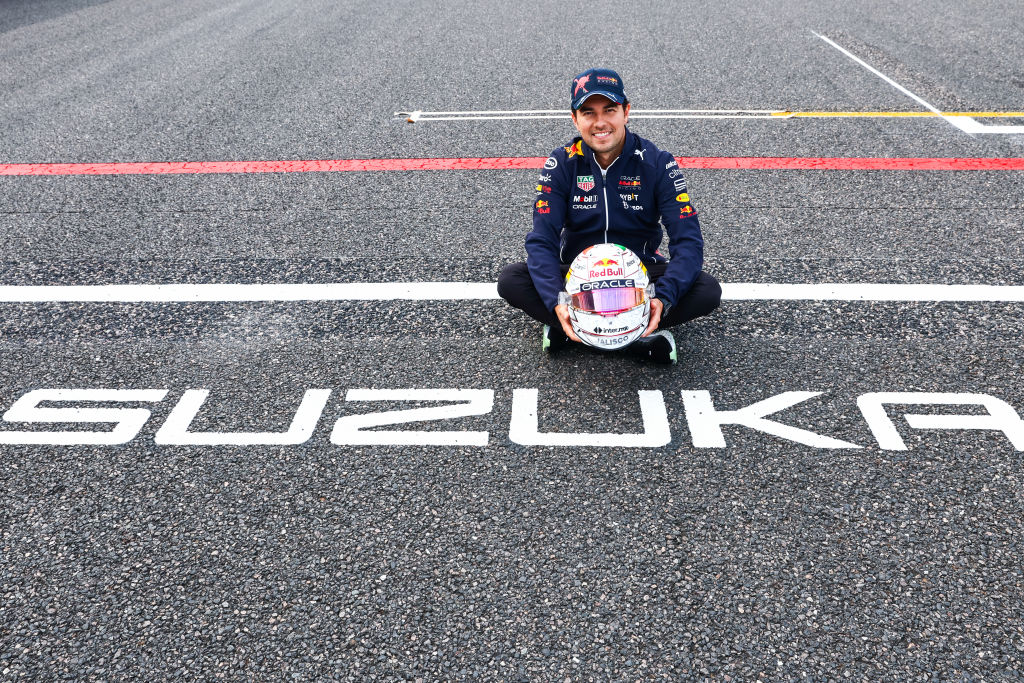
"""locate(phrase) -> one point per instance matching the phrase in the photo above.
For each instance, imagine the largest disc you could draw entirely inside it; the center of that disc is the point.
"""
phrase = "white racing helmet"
(609, 296)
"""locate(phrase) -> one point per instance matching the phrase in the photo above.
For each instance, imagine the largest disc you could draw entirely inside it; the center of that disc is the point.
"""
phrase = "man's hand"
(656, 308)
(562, 311)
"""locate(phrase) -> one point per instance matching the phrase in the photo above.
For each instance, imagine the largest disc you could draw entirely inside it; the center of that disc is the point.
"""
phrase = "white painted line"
(964, 123)
(419, 116)
(565, 112)
(888, 80)
(780, 116)
(424, 119)
(864, 291)
(362, 291)
(478, 291)
(973, 126)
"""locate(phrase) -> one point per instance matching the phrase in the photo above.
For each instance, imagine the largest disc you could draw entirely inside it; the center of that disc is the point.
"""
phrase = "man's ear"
(627, 112)
(575, 122)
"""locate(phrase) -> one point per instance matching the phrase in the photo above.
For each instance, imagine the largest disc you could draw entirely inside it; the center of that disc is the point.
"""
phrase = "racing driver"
(609, 185)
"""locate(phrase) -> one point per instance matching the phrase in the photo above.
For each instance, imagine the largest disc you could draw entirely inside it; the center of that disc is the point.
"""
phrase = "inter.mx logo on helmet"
(585, 182)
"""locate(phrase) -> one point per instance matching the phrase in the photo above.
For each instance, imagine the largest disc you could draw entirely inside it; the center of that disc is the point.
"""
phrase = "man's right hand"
(562, 311)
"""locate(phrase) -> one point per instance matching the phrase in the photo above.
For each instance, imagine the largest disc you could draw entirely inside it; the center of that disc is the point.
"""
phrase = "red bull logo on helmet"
(606, 267)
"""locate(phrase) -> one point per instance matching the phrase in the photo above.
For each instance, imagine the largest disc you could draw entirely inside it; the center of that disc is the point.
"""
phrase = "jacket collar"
(629, 145)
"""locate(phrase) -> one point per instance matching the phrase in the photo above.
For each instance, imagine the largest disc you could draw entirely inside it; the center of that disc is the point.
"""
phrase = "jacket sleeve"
(685, 244)
(550, 206)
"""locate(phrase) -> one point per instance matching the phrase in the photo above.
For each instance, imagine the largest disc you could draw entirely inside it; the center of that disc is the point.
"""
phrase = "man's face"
(602, 123)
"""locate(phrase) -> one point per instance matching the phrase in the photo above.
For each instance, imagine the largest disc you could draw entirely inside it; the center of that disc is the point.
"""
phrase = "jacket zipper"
(604, 191)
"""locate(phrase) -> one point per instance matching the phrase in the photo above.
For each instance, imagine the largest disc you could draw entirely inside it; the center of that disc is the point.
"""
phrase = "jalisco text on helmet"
(109, 424)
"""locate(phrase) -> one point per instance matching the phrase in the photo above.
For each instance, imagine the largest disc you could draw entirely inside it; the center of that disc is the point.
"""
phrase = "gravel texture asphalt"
(764, 559)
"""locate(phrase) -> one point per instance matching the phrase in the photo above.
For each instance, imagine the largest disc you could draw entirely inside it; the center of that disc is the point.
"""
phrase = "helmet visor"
(612, 300)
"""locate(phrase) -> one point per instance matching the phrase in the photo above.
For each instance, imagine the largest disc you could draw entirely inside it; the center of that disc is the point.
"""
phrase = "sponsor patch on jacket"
(584, 202)
(683, 198)
(686, 211)
(585, 182)
(542, 206)
(574, 150)
(551, 163)
(629, 181)
(546, 189)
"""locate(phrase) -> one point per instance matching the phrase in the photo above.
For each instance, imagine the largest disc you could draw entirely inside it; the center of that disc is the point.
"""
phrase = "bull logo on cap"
(580, 82)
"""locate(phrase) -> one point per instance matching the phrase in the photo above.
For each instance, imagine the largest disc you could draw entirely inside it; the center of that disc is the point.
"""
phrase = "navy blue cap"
(597, 82)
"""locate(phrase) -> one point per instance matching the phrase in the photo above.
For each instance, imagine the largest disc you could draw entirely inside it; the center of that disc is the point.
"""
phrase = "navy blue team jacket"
(577, 207)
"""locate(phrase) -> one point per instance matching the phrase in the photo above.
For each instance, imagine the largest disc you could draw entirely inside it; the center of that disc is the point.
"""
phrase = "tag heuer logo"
(585, 182)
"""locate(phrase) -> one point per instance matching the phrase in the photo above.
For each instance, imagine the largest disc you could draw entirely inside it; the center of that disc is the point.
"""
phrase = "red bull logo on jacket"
(575, 149)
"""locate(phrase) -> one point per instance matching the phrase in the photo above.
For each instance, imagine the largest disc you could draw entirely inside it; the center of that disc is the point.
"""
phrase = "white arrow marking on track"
(964, 123)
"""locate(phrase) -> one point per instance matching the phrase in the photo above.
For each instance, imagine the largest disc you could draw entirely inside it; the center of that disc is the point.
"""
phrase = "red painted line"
(506, 163)
(855, 163)
(296, 166)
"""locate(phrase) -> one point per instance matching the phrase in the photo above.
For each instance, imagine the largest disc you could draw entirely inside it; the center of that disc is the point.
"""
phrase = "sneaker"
(552, 339)
(659, 347)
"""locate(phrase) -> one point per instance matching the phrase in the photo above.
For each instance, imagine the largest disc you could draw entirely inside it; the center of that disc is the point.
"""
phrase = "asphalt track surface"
(761, 559)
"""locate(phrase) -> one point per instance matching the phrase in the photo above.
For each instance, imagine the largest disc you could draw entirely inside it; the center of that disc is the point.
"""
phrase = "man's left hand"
(656, 308)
